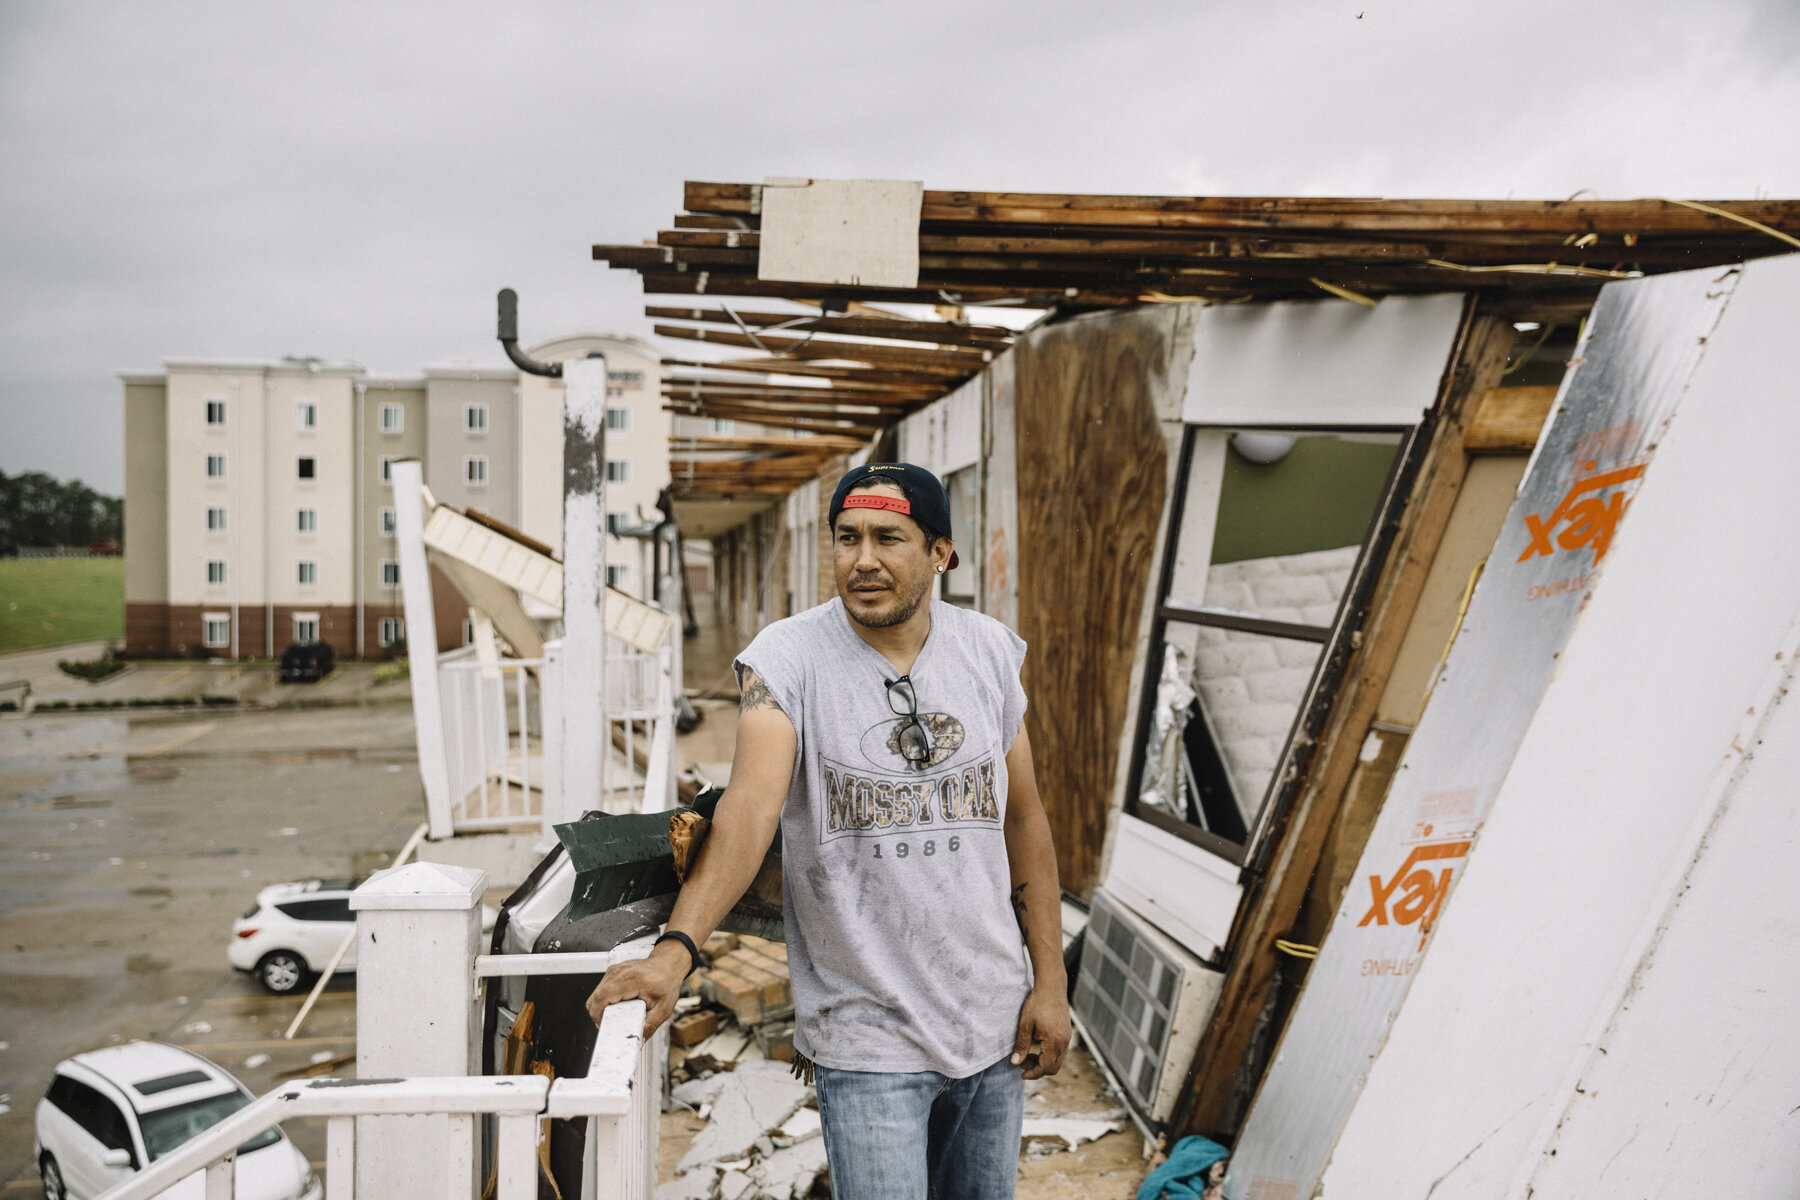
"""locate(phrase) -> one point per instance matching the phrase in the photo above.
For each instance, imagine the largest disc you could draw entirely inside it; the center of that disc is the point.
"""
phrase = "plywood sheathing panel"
(1475, 520)
(1092, 472)
(1273, 900)
(1509, 420)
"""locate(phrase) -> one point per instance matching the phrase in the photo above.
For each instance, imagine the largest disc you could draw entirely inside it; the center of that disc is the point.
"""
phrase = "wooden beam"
(1272, 901)
(835, 425)
(829, 445)
(885, 397)
(934, 362)
(982, 337)
(1173, 245)
(1287, 212)
(843, 373)
(844, 378)
(1509, 420)
(676, 282)
(829, 401)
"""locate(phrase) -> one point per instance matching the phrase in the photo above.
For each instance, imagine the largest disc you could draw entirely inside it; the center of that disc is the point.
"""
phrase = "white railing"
(492, 739)
(503, 735)
(621, 1071)
(619, 1096)
(640, 715)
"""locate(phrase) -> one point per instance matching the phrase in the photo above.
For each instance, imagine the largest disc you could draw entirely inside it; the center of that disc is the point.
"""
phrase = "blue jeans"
(921, 1135)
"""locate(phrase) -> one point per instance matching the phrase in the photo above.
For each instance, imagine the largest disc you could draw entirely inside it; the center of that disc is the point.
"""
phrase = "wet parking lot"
(128, 846)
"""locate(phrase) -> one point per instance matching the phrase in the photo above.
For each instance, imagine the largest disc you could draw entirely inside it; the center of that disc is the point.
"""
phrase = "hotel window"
(215, 466)
(306, 415)
(306, 628)
(390, 630)
(307, 468)
(215, 571)
(393, 418)
(618, 575)
(618, 420)
(390, 572)
(215, 520)
(389, 522)
(475, 418)
(617, 523)
(721, 425)
(216, 630)
(387, 468)
(468, 632)
(307, 573)
(475, 470)
(306, 520)
(618, 471)
(215, 412)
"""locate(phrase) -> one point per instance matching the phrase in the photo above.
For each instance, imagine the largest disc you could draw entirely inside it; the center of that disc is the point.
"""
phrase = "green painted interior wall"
(1320, 496)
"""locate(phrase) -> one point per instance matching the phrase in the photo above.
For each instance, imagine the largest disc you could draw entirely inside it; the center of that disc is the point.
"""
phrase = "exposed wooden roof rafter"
(1537, 260)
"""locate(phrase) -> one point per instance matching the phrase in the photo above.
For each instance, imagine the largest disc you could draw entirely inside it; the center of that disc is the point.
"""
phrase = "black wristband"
(675, 935)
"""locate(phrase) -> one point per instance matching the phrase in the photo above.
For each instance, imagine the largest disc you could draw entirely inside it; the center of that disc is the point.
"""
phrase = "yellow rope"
(1549, 268)
(1531, 353)
(1345, 293)
(1296, 949)
(1730, 216)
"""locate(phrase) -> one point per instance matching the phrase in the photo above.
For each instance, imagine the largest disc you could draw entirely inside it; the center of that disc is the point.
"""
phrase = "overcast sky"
(357, 180)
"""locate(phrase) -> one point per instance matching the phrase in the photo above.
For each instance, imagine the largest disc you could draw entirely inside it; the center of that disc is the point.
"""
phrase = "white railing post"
(659, 769)
(421, 642)
(340, 1158)
(417, 1013)
(586, 744)
(221, 1178)
(550, 720)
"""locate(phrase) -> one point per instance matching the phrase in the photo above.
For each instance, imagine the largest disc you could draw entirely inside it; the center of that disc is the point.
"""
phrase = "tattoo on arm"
(1018, 903)
(755, 693)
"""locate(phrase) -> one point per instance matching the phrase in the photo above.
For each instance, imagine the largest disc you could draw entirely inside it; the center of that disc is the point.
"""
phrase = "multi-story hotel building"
(258, 510)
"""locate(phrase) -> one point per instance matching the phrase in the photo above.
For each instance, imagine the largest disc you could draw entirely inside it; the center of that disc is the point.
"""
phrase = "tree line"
(40, 510)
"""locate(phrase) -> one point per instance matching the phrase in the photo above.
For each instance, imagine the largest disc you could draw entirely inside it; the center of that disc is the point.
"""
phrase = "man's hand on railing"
(655, 980)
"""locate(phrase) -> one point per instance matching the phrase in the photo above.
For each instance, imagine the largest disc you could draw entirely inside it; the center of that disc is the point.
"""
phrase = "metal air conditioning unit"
(1144, 1001)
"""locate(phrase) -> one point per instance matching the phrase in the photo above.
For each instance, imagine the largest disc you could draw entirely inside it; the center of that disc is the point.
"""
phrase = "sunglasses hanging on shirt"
(915, 742)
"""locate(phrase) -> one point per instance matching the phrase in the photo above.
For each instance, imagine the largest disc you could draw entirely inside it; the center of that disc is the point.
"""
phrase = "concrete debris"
(757, 1097)
(695, 1185)
(733, 1185)
(723, 1046)
(790, 1173)
(696, 1092)
(1051, 1135)
(797, 1128)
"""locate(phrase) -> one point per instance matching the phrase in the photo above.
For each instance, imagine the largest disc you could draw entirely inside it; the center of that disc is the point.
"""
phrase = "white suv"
(292, 931)
(108, 1113)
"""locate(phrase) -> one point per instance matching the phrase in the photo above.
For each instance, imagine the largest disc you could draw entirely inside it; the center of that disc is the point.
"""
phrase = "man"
(883, 732)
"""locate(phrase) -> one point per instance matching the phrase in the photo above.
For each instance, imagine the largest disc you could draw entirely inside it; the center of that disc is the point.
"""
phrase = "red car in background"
(105, 546)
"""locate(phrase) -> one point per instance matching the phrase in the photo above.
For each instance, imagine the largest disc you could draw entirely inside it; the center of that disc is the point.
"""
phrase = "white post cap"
(421, 885)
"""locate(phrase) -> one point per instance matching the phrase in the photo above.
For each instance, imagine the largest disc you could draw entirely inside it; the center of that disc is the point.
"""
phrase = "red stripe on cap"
(891, 503)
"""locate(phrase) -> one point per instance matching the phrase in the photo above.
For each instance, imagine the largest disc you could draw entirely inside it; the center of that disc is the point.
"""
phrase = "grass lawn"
(50, 601)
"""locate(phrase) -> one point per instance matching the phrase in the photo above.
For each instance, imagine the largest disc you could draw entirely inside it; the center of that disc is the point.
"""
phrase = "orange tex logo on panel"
(1585, 518)
(1420, 888)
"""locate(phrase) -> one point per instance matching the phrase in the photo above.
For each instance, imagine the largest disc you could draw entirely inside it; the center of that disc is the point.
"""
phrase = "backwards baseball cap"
(926, 502)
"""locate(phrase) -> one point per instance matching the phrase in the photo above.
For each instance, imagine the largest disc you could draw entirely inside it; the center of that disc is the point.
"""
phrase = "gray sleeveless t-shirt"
(902, 944)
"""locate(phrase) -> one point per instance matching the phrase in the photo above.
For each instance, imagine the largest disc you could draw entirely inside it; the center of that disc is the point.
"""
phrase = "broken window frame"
(1339, 639)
